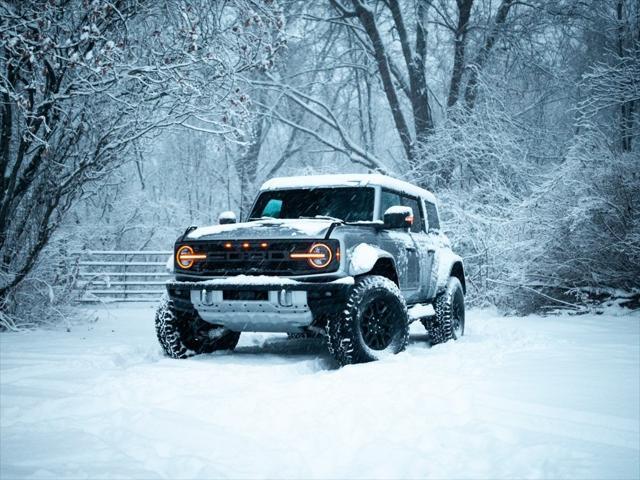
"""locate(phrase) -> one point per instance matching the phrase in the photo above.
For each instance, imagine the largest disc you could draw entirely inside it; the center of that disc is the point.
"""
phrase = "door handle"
(410, 249)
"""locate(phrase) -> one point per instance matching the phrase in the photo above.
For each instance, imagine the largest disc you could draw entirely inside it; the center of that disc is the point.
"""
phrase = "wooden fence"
(121, 276)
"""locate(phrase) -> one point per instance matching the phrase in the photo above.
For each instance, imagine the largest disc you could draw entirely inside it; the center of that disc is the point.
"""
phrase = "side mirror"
(227, 217)
(398, 217)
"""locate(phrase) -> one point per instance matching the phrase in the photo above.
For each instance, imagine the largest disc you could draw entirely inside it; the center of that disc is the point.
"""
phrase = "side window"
(418, 224)
(388, 199)
(432, 215)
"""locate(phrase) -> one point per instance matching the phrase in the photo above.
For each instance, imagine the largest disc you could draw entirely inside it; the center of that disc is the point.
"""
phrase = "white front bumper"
(283, 311)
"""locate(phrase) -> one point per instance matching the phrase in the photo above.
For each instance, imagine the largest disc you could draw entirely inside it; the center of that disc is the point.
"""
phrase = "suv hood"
(264, 229)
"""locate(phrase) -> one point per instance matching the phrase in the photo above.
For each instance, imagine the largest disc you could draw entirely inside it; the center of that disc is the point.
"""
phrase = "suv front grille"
(249, 257)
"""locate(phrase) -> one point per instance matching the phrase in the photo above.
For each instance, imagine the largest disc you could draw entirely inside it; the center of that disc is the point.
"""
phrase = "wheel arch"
(457, 270)
(385, 267)
(367, 259)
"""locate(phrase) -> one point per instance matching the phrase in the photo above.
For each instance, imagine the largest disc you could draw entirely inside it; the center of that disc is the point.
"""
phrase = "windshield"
(351, 204)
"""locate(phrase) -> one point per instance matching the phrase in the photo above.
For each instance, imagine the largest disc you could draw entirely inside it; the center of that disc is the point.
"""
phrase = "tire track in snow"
(585, 426)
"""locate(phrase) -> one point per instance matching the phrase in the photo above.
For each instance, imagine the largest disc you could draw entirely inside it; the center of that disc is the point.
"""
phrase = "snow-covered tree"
(82, 81)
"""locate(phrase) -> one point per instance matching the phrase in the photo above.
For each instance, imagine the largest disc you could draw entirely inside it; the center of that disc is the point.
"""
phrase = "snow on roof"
(348, 180)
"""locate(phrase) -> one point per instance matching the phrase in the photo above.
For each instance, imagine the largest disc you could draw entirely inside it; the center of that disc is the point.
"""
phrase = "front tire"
(373, 324)
(448, 323)
(184, 334)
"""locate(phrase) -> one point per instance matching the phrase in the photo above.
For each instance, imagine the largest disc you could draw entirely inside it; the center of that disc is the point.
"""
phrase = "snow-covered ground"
(539, 397)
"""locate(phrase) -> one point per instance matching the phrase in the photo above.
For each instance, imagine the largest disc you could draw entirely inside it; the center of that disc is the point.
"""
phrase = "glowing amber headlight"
(318, 256)
(185, 257)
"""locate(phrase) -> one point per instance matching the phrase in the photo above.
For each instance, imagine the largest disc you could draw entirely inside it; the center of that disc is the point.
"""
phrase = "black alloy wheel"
(378, 324)
(372, 325)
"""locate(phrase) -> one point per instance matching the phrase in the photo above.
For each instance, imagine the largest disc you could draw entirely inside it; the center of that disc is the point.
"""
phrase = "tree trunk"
(471, 92)
(365, 15)
(459, 47)
(415, 61)
(247, 166)
(627, 108)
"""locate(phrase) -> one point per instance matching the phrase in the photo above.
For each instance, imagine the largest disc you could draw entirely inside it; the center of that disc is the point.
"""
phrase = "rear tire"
(373, 324)
(448, 322)
(183, 334)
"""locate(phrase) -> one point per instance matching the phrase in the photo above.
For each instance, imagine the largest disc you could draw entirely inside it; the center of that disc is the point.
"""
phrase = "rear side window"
(432, 216)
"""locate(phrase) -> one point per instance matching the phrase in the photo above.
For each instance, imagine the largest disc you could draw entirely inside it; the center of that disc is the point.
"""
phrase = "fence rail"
(121, 276)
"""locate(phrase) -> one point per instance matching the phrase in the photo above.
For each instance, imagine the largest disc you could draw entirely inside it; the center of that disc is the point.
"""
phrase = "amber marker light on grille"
(318, 256)
(228, 245)
(245, 245)
(264, 244)
(186, 257)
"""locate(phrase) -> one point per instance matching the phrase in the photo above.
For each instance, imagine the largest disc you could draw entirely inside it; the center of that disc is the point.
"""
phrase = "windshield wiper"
(324, 217)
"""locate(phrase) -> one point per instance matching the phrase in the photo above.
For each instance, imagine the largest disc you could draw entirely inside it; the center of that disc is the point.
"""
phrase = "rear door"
(433, 240)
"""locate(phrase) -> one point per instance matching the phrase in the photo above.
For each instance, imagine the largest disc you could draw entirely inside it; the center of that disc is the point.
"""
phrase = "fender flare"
(364, 256)
(449, 264)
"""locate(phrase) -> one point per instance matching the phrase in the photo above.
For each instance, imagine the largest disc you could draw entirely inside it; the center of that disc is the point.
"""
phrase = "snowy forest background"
(123, 122)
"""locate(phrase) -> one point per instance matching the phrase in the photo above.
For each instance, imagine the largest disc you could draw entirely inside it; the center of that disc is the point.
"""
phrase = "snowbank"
(532, 397)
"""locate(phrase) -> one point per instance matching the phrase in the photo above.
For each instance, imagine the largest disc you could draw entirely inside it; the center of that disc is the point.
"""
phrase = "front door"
(405, 250)
(423, 249)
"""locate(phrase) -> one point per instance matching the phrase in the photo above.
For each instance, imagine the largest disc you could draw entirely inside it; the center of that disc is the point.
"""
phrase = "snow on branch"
(321, 111)
(82, 82)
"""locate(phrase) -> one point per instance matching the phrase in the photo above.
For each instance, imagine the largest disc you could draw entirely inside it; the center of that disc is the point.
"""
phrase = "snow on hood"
(263, 229)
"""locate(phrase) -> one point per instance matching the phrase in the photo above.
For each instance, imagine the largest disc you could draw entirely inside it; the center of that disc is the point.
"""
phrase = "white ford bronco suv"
(354, 258)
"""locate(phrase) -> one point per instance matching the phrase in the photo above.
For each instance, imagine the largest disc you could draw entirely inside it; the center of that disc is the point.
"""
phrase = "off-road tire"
(374, 303)
(448, 322)
(183, 335)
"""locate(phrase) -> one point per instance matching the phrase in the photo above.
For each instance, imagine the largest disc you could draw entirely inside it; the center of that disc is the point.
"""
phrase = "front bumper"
(260, 304)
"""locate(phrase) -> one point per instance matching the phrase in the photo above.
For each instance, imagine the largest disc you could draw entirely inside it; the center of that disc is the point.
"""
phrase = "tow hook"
(206, 297)
(285, 298)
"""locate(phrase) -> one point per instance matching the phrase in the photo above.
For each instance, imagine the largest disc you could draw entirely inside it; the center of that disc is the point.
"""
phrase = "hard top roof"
(348, 180)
